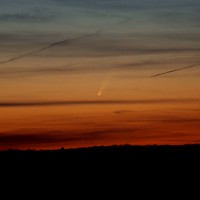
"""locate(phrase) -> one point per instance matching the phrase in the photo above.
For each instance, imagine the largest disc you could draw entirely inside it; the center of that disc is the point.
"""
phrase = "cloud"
(130, 4)
(112, 49)
(175, 36)
(39, 71)
(153, 130)
(95, 102)
(87, 67)
(197, 109)
(40, 138)
(21, 139)
(187, 120)
(181, 16)
(119, 112)
(34, 16)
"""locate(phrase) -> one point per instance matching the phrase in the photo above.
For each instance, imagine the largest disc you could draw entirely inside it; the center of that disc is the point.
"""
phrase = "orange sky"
(89, 125)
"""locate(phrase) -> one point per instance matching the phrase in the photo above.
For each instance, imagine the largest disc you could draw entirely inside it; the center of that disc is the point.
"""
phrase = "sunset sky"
(79, 73)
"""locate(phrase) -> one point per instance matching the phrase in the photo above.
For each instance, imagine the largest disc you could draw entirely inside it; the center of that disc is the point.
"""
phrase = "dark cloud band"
(95, 102)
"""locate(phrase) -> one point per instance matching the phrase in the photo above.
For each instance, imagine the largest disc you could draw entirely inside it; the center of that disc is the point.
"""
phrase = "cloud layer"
(96, 102)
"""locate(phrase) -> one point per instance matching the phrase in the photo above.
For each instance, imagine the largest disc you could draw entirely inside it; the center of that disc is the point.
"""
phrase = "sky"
(77, 73)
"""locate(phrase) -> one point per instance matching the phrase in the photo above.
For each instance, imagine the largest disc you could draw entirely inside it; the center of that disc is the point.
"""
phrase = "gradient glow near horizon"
(77, 73)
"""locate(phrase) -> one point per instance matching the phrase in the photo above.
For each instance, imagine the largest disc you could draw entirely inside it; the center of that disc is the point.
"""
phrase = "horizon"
(105, 147)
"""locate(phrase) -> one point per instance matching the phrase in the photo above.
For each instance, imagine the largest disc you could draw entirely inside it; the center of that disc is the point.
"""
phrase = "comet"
(104, 84)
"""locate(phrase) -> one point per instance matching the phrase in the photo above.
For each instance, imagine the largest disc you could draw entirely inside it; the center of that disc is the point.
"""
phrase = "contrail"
(104, 84)
(175, 70)
(67, 41)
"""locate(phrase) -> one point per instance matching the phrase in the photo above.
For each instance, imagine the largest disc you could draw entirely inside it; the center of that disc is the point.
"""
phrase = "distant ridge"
(106, 154)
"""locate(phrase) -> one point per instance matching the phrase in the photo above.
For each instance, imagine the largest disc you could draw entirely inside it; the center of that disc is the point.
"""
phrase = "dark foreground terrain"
(133, 154)
(139, 164)
(122, 168)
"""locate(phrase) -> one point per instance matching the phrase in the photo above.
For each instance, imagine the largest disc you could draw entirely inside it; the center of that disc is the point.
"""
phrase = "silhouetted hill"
(133, 154)
(116, 167)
